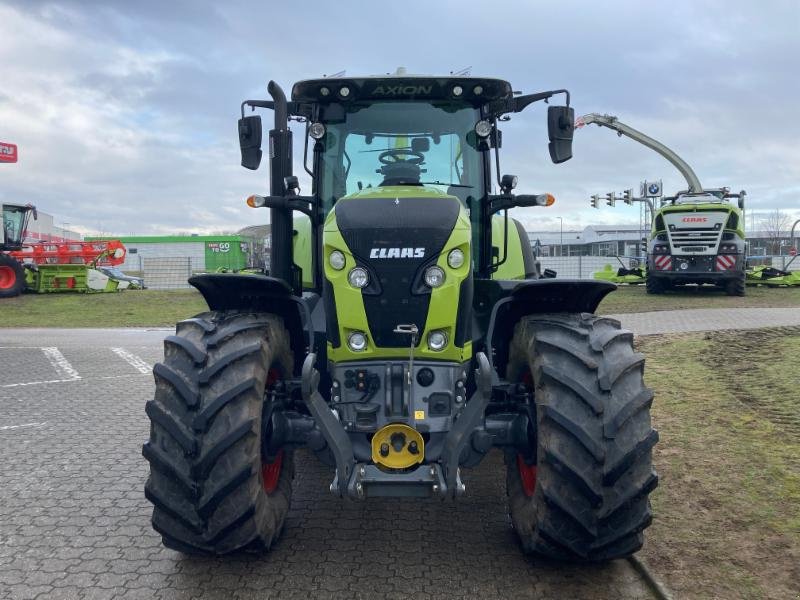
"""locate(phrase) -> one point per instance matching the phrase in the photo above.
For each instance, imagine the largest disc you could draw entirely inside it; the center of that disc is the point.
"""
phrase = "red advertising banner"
(8, 152)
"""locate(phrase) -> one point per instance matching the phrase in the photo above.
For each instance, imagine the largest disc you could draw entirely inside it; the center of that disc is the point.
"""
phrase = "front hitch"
(331, 428)
(469, 420)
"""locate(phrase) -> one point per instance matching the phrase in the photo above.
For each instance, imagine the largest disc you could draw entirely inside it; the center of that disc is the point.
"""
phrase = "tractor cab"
(15, 223)
(401, 131)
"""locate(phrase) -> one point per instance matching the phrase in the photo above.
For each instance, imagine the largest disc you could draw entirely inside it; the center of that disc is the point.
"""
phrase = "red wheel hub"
(7, 277)
(528, 475)
(271, 473)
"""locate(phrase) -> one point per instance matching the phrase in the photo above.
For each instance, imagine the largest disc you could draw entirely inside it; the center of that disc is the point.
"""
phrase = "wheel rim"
(7, 277)
(527, 474)
(271, 471)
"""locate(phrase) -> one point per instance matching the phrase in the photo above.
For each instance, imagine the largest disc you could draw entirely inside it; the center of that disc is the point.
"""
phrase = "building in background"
(594, 240)
(44, 229)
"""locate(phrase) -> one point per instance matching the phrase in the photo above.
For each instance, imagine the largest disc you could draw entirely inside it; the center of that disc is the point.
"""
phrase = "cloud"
(125, 111)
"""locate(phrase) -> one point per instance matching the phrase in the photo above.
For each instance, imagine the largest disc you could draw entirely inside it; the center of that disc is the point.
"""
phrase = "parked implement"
(404, 332)
(12, 233)
(697, 235)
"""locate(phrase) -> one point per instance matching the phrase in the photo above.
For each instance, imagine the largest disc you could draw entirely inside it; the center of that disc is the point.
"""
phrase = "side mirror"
(560, 129)
(741, 202)
(250, 141)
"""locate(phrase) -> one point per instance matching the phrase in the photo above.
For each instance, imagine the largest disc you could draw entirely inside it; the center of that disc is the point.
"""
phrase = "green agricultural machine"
(697, 235)
(404, 331)
(15, 219)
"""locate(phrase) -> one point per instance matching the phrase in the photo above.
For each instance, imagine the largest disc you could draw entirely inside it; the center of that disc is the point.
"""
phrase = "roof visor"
(472, 90)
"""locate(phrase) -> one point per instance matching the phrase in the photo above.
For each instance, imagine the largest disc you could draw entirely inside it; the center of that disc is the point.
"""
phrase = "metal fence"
(166, 273)
(584, 267)
(169, 273)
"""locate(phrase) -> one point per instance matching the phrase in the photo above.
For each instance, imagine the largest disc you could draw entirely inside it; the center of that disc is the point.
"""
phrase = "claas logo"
(694, 219)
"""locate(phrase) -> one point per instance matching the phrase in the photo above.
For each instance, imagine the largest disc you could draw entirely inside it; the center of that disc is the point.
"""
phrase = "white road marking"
(13, 385)
(133, 360)
(4, 427)
(60, 364)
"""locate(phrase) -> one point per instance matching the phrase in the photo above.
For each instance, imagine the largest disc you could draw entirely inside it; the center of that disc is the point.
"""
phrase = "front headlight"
(357, 341)
(337, 260)
(455, 259)
(437, 340)
(434, 276)
(358, 277)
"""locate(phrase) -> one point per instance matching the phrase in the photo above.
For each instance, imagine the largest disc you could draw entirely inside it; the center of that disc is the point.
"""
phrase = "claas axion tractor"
(403, 332)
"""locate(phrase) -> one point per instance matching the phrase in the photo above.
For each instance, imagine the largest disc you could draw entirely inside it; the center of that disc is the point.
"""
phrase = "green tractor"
(15, 219)
(403, 332)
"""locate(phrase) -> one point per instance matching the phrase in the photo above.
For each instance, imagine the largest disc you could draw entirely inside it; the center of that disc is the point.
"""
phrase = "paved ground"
(708, 319)
(74, 522)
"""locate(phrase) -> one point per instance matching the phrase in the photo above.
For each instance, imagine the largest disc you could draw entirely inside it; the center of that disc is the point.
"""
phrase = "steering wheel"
(392, 157)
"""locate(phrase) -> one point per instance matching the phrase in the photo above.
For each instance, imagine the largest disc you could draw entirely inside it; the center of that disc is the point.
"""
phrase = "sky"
(125, 112)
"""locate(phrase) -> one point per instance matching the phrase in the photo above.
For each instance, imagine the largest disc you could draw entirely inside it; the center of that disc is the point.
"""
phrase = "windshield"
(14, 224)
(401, 143)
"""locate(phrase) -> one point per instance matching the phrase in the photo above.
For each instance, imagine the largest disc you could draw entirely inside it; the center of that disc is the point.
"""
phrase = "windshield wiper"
(455, 185)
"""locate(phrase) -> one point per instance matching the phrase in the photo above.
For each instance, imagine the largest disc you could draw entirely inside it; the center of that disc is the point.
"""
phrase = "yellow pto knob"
(397, 446)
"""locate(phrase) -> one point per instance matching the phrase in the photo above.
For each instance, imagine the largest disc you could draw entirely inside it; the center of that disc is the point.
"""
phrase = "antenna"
(339, 74)
(465, 72)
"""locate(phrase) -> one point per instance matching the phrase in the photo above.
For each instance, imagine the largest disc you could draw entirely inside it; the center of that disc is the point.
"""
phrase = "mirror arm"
(520, 103)
(254, 104)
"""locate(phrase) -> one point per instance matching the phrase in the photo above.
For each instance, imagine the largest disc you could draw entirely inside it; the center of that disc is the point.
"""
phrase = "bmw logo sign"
(653, 189)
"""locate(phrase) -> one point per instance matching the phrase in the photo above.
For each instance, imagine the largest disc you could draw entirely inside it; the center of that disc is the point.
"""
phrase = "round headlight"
(434, 276)
(457, 90)
(483, 128)
(324, 91)
(357, 341)
(456, 258)
(316, 131)
(437, 340)
(477, 90)
(344, 91)
(358, 277)
(337, 260)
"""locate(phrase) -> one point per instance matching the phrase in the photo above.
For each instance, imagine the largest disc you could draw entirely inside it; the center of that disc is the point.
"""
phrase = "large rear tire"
(580, 491)
(212, 489)
(12, 277)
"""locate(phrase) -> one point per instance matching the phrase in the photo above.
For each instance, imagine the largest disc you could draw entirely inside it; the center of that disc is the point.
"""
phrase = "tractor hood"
(395, 233)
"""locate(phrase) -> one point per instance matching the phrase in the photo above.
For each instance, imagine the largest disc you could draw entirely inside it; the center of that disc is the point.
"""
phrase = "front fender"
(259, 293)
(499, 305)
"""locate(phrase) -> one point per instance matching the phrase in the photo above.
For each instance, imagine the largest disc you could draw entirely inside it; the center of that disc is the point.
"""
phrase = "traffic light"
(611, 198)
(596, 201)
(627, 196)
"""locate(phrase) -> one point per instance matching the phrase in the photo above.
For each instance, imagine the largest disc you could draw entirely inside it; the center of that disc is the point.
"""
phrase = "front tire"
(212, 490)
(580, 491)
(735, 287)
(12, 277)
(655, 285)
